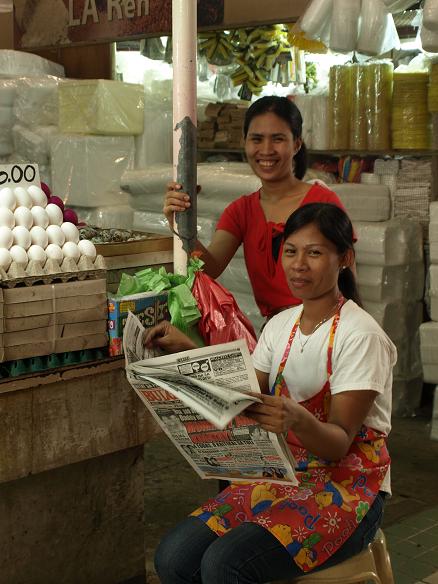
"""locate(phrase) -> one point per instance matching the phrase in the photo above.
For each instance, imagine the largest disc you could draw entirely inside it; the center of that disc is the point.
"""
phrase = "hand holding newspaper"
(197, 397)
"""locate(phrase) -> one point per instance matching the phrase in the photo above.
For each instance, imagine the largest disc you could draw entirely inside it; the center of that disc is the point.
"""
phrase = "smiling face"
(312, 263)
(270, 147)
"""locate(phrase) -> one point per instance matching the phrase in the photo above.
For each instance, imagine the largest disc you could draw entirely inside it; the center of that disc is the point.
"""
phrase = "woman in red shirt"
(277, 155)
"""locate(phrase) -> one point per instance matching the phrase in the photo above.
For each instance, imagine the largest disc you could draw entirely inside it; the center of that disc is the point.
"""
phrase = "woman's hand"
(168, 338)
(175, 201)
(276, 414)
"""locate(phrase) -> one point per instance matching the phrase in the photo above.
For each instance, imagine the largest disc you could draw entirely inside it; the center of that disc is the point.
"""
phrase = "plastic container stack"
(410, 115)
(390, 271)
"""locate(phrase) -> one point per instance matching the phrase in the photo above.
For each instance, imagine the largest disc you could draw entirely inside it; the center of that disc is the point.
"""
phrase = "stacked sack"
(221, 184)
(429, 330)
(390, 272)
(98, 120)
(36, 120)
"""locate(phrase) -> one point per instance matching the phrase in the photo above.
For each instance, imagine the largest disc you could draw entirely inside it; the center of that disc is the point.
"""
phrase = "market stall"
(74, 429)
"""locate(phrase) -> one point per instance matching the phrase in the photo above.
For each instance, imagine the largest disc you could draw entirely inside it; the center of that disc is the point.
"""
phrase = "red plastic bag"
(222, 320)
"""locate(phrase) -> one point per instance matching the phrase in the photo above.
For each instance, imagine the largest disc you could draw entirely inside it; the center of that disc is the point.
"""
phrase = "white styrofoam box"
(6, 117)
(395, 242)
(22, 64)
(365, 202)
(101, 106)
(154, 145)
(398, 319)
(86, 170)
(34, 144)
(406, 396)
(429, 351)
(391, 283)
(434, 427)
(36, 102)
(408, 363)
(8, 90)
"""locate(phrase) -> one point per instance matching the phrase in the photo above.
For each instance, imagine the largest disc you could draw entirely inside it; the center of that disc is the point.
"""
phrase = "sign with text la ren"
(90, 21)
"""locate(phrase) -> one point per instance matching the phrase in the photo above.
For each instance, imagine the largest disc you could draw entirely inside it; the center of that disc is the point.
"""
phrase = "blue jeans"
(248, 554)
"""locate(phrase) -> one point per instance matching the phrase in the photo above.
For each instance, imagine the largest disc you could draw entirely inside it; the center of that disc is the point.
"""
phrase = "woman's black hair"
(335, 225)
(285, 109)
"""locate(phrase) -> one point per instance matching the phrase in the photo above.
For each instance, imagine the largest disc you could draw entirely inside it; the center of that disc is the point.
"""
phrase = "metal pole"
(184, 45)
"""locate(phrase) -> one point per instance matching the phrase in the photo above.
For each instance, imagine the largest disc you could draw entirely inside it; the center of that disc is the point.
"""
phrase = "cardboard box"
(8, 325)
(52, 333)
(57, 346)
(150, 307)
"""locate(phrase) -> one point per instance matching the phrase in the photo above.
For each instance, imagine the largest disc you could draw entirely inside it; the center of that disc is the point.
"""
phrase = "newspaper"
(197, 397)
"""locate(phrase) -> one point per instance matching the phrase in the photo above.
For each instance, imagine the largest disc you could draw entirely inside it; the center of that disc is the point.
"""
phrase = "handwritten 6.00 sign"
(19, 175)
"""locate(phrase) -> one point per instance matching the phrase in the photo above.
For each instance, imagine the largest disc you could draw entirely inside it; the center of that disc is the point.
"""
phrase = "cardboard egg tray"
(51, 271)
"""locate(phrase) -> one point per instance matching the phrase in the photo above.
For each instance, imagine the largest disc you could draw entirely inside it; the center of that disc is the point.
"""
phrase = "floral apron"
(314, 519)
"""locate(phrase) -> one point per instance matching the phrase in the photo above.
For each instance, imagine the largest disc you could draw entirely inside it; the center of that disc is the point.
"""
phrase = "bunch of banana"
(256, 51)
(216, 47)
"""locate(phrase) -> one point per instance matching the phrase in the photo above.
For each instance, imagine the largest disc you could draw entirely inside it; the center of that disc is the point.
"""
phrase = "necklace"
(315, 328)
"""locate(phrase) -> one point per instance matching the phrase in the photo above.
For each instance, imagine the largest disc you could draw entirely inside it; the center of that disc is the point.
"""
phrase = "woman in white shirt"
(325, 372)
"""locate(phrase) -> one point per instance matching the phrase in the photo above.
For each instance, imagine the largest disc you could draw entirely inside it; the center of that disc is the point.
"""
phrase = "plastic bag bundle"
(429, 351)
(430, 15)
(23, 64)
(391, 283)
(155, 144)
(305, 104)
(320, 125)
(316, 18)
(378, 105)
(429, 39)
(410, 116)
(344, 29)
(358, 126)
(340, 108)
(433, 89)
(36, 102)
(378, 33)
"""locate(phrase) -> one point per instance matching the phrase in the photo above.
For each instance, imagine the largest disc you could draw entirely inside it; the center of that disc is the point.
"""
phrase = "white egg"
(6, 237)
(23, 217)
(35, 252)
(87, 248)
(7, 218)
(37, 195)
(22, 197)
(19, 255)
(39, 236)
(7, 199)
(40, 216)
(71, 250)
(54, 252)
(5, 259)
(54, 213)
(21, 237)
(55, 235)
(70, 231)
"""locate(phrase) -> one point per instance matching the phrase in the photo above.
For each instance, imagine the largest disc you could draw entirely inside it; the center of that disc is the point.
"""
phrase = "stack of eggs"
(35, 227)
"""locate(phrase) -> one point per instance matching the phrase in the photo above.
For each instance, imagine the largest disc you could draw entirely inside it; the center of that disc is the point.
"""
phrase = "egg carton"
(51, 271)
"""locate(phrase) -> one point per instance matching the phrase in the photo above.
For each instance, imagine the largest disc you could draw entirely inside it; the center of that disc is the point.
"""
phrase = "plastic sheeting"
(101, 106)
(22, 64)
(391, 243)
(399, 320)
(34, 145)
(154, 145)
(365, 202)
(406, 395)
(391, 283)
(86, 170)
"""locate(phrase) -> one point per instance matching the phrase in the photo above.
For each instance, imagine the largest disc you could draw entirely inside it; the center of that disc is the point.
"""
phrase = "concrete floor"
(173, 489)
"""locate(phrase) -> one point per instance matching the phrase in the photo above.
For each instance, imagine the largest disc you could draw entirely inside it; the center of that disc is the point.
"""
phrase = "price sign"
(19, 175)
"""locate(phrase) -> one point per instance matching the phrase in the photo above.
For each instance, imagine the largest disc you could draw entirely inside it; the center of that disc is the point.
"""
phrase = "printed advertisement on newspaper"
(197, 397)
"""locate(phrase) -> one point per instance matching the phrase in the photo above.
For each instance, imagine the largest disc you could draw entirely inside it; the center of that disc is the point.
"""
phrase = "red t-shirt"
(245, 219)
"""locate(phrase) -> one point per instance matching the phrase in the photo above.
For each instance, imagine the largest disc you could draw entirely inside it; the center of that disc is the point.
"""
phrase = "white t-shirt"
(363, 357)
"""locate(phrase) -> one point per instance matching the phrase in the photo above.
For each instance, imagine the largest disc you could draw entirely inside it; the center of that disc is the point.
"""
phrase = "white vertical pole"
(184, 46)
